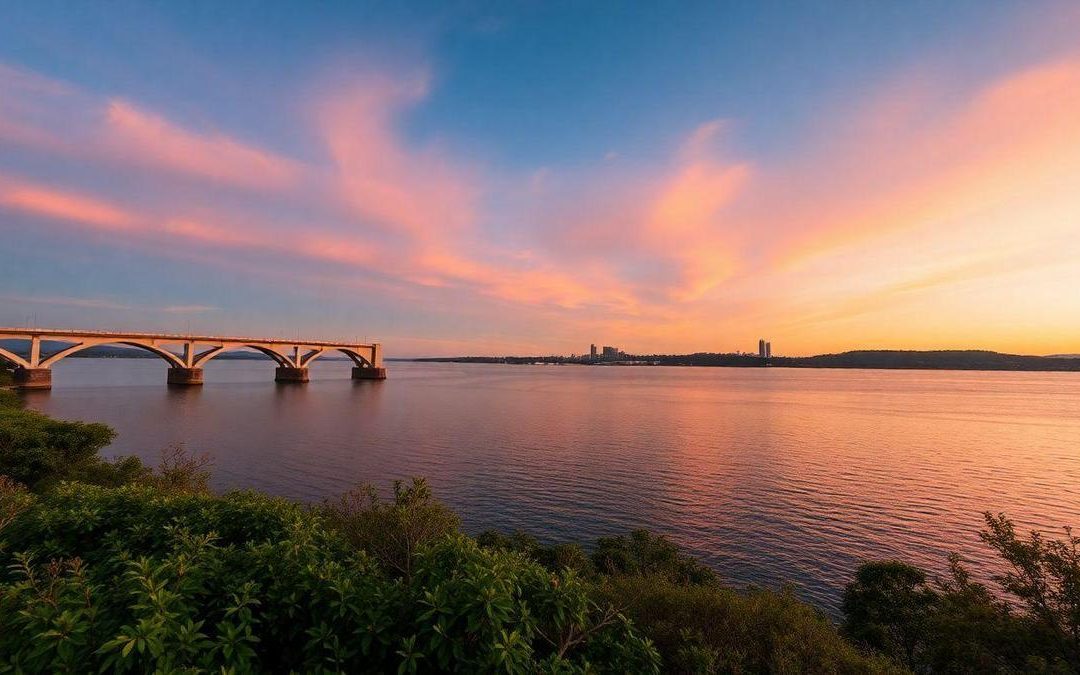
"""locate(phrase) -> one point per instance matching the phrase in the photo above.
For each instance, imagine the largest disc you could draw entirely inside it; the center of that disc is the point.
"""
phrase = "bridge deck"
(171, 337)
(34, 370)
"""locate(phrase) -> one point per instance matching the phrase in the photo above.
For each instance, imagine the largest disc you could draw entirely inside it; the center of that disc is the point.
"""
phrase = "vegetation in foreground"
(109, 565)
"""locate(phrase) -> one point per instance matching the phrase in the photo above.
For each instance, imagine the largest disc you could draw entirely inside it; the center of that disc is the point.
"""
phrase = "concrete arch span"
(172, 359)
(292, 357)
(359, 360)
(201, 359)
(14, 359)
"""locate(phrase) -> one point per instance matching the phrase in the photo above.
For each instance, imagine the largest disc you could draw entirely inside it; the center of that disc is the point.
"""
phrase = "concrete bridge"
(185, 354)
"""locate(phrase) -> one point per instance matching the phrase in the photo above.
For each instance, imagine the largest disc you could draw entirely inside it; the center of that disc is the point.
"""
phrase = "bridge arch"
(205, 357)
(172, 359)
(358, 360)
(13, 358)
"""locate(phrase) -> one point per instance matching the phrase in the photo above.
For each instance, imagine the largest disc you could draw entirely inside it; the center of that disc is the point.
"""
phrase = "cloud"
(66, 301)
(416, 191)
(102, 304)
(189, 309)
(927, 185)
(54, 117)
(144, 138)
(57, 204)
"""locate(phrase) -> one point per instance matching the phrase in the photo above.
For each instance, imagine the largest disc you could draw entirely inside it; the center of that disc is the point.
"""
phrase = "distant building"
(768, 350)
(611, 353)
(592, 352)
(761, 348)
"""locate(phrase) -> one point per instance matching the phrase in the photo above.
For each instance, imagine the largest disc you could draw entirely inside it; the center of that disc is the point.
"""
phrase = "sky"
(531, 177)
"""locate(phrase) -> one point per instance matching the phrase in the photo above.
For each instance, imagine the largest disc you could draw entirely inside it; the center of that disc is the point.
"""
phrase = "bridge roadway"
(33, 368)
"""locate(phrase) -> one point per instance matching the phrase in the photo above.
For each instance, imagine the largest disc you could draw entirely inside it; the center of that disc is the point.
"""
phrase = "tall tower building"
(768, 350)
(761, 347)
(592, 352)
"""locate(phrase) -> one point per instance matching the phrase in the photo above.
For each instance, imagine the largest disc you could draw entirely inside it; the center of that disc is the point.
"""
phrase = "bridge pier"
(369, 373)
(33, 378)
(289, 374)
(185, 376)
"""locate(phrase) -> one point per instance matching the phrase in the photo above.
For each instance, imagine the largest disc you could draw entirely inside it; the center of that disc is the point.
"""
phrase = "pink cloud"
(144, 138)
(61, 119)
(62, 205)
(418, 191)
(677, 253)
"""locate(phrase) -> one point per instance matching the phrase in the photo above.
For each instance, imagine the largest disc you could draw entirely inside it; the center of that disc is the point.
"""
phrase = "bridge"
(186, 355)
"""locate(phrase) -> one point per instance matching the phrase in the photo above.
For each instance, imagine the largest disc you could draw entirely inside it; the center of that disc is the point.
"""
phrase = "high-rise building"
(611, 353)
(761, 348)
(768, 350)
(592, 352)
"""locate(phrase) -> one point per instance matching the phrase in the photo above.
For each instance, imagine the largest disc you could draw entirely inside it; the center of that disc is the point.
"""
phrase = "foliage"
(958, 625)
(36, 450)
(134, 579)
(706, 628)
(640, 553)
(645, 553)
(555, 558)
(180, 471)
(14, 499)
(392, 531)
(1044, 576)
(888, 608)
(111, 566)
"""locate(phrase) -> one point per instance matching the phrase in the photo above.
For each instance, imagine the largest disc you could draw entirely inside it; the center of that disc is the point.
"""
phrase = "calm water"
(768, 475)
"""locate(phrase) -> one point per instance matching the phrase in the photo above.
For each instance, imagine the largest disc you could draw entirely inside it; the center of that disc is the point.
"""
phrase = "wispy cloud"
(929, 184)
(103, 304)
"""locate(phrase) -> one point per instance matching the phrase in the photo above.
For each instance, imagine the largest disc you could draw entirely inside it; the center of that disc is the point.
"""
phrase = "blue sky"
(488, 177)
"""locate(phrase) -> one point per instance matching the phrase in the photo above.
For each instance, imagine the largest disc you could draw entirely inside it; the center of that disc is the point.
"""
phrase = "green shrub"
(557, 557)
(10, 398)
(37, 450)
(645, 553)
(14, 499)
(392, 531)
(706, 628)
(958, 625)
(178, 472)
(137, 579)
(888, 608)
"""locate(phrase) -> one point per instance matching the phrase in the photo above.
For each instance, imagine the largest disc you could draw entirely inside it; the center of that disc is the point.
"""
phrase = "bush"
(14, 499)
(645, 553)
(392, 531)
(37, 450)
(134, 579)
(958, 625)
(706, 628)
(888, 608)
(179, 472)
(555, 558)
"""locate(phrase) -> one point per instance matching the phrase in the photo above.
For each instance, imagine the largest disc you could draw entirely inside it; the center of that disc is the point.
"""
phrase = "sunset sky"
(523, 178)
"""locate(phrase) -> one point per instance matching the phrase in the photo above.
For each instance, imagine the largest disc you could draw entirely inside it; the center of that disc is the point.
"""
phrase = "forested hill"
(966, 359)
(929, 360)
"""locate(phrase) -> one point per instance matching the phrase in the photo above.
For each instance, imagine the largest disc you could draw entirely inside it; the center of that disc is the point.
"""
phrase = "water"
(769, 475)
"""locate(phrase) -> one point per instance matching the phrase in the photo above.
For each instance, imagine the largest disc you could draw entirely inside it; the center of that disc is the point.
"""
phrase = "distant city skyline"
(470, 178)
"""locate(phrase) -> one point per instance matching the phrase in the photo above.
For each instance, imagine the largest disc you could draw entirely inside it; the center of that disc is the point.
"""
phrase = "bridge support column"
(369, 373)
(289, 374)
(185, 376)
(33, 378)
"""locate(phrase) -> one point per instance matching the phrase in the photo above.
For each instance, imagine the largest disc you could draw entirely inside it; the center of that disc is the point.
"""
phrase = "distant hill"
(929, 360)
(968, 359)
